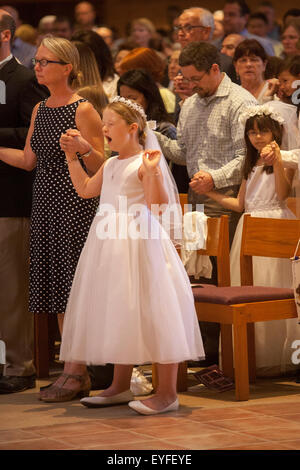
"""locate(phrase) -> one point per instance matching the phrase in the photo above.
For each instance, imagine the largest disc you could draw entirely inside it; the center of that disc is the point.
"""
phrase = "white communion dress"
(273, 339)
(131, 300)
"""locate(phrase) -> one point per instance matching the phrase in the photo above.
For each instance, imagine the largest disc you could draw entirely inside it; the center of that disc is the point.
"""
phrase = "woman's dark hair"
(250, 47)
(141, 81)
(263, 123)
(100, 49)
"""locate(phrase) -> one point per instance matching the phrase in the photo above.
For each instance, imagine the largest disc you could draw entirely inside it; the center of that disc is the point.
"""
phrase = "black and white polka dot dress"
(60, 219)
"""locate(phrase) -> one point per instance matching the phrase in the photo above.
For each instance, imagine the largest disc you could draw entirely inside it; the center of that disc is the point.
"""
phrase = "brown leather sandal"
(56, 393)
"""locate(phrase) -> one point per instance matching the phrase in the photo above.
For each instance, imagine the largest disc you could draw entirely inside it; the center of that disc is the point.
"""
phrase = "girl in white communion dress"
(262, 194)
(131, 300)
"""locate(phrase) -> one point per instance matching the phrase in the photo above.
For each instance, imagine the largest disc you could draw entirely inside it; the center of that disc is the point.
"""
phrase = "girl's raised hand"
(151, 160)
(273, 85)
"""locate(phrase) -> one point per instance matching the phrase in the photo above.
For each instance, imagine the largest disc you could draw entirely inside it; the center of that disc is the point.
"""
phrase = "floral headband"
(265, 109)
(130, 104)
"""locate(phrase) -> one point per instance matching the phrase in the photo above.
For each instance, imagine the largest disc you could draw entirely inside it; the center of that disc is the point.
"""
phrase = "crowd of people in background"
(194, 80)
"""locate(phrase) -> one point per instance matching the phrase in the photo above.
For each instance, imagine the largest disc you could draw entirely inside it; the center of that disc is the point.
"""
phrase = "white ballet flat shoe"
(142, 409)
(97, 402)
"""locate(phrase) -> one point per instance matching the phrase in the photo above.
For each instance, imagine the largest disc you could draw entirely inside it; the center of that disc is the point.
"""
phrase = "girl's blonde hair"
(130, 116)
(89, 72)
(66, 52)
(95, 95)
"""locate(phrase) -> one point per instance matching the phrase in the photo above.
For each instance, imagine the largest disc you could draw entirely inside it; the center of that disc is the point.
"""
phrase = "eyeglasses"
(256, 133)
(187, 28)
(195, 80)
(45, 62)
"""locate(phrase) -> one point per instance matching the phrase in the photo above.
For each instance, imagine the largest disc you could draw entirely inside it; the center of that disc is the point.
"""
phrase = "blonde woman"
(60, 219)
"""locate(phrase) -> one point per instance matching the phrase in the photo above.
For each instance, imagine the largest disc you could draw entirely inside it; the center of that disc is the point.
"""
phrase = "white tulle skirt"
(130, 303)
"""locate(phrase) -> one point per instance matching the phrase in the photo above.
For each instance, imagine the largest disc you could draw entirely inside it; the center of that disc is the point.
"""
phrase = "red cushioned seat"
(239, 294)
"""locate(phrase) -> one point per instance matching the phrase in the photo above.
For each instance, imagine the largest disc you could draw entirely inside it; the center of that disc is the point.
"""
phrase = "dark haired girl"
(263, 192)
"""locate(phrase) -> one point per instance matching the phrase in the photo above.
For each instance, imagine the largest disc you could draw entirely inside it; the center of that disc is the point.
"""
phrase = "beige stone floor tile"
(294, 444)
(212, 414)
(179, 430)
(137, 422)
(257, 423)
(16, 435)
(36, 444)
(262, 446)
(66, 430)
(215, 440)
(105, 438)
(147, 445)
(275, 434)
(274, 409)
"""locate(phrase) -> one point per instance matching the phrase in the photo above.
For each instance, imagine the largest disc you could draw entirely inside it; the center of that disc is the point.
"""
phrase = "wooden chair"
(293, 204)
(238, 308)
(217, 244)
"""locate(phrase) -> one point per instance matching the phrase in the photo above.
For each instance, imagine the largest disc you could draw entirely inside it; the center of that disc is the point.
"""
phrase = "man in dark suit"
(21, 93)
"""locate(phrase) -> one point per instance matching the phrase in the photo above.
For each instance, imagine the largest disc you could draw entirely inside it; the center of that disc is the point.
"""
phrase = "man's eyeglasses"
(188, 28)
(45, 62)
(195, 80)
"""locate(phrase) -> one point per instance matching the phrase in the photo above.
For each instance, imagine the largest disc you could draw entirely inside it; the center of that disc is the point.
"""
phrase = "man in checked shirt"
(209, 135)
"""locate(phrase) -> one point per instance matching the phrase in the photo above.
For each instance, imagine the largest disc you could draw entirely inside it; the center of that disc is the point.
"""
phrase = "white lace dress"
(273, 339)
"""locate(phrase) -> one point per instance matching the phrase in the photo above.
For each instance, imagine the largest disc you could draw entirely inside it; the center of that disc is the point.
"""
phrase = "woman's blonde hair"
(130, 116)
(66, 52)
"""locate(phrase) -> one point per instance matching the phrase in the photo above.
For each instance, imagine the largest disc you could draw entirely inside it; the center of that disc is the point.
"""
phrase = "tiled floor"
(206, 420)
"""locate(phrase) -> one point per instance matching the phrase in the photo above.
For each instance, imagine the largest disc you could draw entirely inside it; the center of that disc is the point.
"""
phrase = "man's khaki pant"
(16, 322)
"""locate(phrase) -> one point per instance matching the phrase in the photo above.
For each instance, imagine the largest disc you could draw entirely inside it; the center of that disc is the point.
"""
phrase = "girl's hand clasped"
(271, 153)
(71, 142)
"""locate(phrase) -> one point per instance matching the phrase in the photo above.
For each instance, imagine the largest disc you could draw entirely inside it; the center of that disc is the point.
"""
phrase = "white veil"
(290, 139)
(171, 216)
(291, 132)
